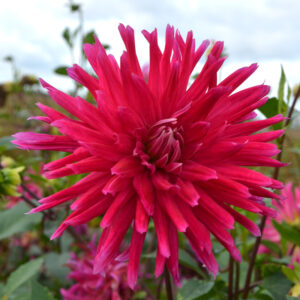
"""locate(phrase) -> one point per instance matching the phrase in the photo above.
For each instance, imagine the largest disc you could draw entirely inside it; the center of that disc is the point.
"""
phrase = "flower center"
(162, 147)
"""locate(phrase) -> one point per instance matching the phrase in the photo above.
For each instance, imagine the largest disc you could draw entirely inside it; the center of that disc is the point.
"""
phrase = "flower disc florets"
(156, 146)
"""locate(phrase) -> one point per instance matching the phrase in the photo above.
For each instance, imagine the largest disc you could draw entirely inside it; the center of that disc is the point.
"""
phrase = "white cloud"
(264, 31)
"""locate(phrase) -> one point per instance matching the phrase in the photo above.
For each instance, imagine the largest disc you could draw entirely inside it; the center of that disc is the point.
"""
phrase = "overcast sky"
(263, 31)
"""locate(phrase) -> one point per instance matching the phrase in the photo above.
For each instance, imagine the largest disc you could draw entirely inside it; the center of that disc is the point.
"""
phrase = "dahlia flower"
(112, 285)
(160, 148)
(288, 208)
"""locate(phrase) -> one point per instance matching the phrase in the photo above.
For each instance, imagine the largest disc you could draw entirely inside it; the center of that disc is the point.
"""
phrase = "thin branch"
(27, 190)
(230, 278)
(253, 257)
(168, 282)
(292, 250)
(251, 286)
(51, 215)
(237, 280)
(149, 250)
(159, 286)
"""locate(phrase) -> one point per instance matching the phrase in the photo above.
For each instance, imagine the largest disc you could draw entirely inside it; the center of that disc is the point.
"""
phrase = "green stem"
(237, 280)
(168, 282)
(230, 278)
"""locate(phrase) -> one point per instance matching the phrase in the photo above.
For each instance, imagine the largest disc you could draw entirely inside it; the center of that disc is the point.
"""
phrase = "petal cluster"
(89, 286)
(288, 208)
(160, 147)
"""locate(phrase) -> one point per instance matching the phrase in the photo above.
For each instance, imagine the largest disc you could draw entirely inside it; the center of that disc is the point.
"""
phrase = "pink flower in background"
(288, 208)
(162, 148)
(112, 285)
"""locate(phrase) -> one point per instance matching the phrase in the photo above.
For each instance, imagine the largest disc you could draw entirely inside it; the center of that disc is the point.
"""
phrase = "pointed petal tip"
(54, 236)
(132, 282)
(48, 175)
(34, 210)
(141, 230)
(177, 282)
(236, 255)
(165, 253)
(256, 232)
(15, 142)
(16, 135)
(183, 227)
(104, 224)
(44, 84)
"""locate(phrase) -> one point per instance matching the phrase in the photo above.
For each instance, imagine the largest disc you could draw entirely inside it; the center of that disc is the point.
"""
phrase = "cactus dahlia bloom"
(112, 285)
(160, 149)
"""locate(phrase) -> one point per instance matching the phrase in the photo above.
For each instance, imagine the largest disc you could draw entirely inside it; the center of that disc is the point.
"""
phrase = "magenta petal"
(171, 208)
(136, 246)
(159, 264)
(113, 211)
(161, 222)
(141, 218)
(196, 172)
(145, 192)
(172, 261)
(187, 192)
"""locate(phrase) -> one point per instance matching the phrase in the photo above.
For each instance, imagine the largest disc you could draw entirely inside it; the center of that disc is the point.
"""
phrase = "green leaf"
(289, 273)
(272, 246)
(1, 289)
(62, 70)
(89, 38)
(51, 225)
(289, 94)
(297, 270)
(194, 288)
(14, 220)
(54, 264)
(74, 7)
(278, 285)
(22, 274)
(140, 295)
(5, 142)
(31, 290)
(38, 178)
(67, 37)
(288, 232)
(8, 58)
(262, 295)
(151, 255)
(291, 298)
(282, 260)
(282, 82)
(271, 108)
(39, 292)
(270, 269)
(187, 260)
